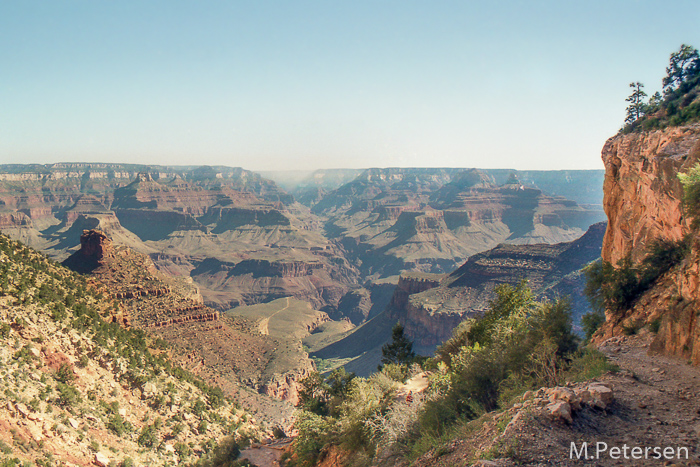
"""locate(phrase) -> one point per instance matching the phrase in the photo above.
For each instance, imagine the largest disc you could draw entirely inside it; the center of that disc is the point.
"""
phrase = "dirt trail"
(267, 454)
(658, 398)
(263, 327)
(414, 385)
(656, 403)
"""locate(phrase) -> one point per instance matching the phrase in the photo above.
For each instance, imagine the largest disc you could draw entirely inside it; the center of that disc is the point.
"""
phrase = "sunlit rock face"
(642, 193)
(643, 202)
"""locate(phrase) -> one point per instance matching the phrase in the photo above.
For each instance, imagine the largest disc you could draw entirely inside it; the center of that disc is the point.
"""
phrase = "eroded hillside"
(80, 389)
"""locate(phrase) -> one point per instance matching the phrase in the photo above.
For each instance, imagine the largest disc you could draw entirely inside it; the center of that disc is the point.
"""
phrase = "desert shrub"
(612, 288)
(183, 450)
(118, 425)
(198, 408)
(662, 255)
(314, 394)
(395, 372)
(64, 374)
(460, 338)
(397, 424)
(616, 288)
(148, 436)
(225, 454)
(588, 363)
(691, 191)
(590, 322)
(68, 395)
(202, 427)
(518, 344)
(655, 325)
(314, 432)
(366, 398)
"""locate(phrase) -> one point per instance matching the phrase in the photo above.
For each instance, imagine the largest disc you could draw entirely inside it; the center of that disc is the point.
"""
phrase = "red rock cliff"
(643, 202)
(642, 192)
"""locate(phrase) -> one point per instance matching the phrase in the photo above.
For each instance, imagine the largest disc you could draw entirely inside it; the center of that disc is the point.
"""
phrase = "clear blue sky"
(270, 85)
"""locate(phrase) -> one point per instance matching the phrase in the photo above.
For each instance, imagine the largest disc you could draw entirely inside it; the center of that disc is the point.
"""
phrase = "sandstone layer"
(642, 193)
(643, 201)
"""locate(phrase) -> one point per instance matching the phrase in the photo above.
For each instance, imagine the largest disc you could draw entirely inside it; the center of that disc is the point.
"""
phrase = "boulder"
(101, 460)
(602, 395)
(560, 410)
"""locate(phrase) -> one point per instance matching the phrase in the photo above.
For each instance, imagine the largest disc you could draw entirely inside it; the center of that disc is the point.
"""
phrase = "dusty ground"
(267, 454)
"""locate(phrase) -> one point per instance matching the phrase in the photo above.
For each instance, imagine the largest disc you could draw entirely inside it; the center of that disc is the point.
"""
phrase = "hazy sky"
(269, 85)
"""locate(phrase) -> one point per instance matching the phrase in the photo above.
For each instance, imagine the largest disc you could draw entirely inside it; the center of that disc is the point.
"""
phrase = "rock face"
(642, 193)
(286, 387)
(643, 202)
(94, 244)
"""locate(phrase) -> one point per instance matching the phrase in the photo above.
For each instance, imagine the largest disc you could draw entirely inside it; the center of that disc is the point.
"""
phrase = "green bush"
(148, 437)
(118, 425)
(588, 363)
(616, 288)
(64, 374)
(68, 395)
(591, 322)
(691, 193)
(314, 432)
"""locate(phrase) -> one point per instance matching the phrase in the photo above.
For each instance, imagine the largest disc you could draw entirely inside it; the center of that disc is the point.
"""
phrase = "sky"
(303, 85)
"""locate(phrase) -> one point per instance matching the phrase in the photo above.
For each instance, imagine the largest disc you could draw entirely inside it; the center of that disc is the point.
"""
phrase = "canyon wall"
(642, 193)
(643, 202)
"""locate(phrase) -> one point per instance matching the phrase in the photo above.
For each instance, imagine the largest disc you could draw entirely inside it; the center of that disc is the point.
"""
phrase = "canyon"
(190, 252)
(243, 240)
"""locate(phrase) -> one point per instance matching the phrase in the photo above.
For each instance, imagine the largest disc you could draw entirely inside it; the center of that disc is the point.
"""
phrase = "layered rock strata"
(643, 200)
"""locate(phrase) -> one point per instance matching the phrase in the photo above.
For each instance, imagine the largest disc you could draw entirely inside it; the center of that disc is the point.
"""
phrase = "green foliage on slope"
(680, 102)
(519, 344)
(616, 288)
(48, 312)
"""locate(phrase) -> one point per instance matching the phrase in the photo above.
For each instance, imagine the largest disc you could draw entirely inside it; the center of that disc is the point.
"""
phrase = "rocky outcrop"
(200, 318)
(286, 387)
(95, 244)
(430, 307)
(642, 193)
(643, 202)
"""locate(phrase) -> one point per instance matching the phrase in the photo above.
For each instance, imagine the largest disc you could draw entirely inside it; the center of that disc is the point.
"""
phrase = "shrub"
(591, 322)
(616, 288)
(64, 374)
(118, 425)
(68, 395)
(314, 433)
(147, 436)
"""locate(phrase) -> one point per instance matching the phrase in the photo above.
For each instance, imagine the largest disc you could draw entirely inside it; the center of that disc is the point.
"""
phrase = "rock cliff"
(642, 193)
(643, 202)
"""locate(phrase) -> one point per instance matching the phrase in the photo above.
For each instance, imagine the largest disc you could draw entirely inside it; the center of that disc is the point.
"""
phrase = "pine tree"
(682, 65)
(400, 350)
(637, 106)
